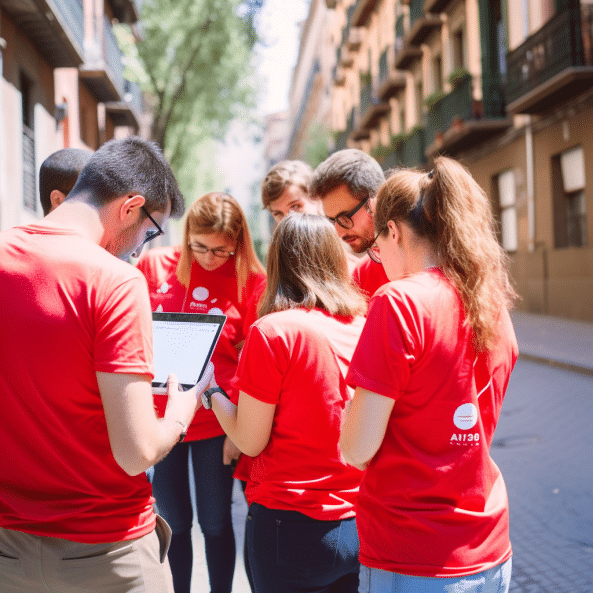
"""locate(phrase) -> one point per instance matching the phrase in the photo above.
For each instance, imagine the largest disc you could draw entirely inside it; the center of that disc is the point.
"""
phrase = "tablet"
(183, 344)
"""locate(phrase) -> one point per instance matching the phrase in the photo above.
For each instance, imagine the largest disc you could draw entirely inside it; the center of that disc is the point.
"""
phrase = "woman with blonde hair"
(214, 270)
(431, 370)
(301, 532)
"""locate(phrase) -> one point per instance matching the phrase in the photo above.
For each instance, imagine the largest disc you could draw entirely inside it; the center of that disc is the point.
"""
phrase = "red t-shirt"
(432, 502)
(297, 360)
(213, 292)
(69, 310)
(368, 275)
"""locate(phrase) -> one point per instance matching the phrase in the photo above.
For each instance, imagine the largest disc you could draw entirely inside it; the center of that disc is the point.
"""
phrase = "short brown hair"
(355, 169)
(307, 268)
(283, 175)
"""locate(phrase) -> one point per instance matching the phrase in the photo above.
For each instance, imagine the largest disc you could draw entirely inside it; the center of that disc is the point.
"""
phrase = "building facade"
(504, 86)
(62, 85)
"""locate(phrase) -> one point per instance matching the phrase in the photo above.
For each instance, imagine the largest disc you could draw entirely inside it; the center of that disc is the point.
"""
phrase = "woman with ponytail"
(431, 370)
(215, 270)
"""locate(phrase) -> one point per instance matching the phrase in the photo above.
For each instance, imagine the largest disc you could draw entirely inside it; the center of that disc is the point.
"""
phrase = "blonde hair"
(219, 213)
(307, 268)
(449, 209)
(283, 175)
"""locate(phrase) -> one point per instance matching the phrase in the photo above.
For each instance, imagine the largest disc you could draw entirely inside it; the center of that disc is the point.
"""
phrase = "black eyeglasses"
(344, 219)
(150, 234)
(217, 252)
(373, 250)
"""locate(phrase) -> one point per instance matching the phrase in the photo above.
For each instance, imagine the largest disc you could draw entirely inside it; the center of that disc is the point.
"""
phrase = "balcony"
(338, 75)
(55, 28)
(343, 57)
(457, 121)
(413, 148)
(358, 131)
(554, 64)
(436, 6)
(421, 26)
(372, 108)
(102, 70)
(362, 12)
(354, 40)
(127, 112)
(390, 81)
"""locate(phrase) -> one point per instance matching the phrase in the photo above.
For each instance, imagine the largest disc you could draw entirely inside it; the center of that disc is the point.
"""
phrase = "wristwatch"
(207, 396)
(183, 431)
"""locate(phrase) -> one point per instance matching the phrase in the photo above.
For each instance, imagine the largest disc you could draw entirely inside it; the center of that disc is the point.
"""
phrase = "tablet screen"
(183, 345)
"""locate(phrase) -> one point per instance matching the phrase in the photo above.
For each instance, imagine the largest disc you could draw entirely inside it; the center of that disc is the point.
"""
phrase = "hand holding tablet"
(183, 345)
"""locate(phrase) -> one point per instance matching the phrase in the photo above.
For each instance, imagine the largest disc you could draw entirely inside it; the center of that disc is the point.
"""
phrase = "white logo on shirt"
(159, 309)
(465, 416)
(215, 311)
(200, 293)
(163, 288)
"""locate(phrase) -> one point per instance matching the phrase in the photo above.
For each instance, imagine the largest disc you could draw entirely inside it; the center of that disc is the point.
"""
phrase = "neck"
(79, 217)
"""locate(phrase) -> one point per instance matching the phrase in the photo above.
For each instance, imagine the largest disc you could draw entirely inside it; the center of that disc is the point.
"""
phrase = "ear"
(394, 231)
(130, 205)
(56, 197)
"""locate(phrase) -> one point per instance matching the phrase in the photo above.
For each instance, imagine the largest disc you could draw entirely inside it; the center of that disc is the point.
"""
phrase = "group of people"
(359, 379)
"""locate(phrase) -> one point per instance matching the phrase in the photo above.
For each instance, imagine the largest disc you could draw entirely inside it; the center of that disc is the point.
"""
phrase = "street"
(543, 447)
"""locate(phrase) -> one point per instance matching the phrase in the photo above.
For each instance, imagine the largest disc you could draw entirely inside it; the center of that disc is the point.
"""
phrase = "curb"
(567, 366)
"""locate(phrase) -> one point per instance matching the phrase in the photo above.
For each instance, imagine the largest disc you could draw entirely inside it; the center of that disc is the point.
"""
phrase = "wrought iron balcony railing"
(554, 63)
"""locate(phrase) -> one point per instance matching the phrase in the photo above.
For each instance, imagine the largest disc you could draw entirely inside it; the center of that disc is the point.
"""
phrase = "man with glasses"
(78, 427)
(347, 183)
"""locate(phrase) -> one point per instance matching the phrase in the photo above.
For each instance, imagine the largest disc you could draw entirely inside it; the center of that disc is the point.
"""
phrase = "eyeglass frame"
(203, 250)
(154, 234)
(371, 251)
(348, 215)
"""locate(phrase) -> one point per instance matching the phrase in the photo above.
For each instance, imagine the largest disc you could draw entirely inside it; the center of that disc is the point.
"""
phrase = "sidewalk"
(558, 342)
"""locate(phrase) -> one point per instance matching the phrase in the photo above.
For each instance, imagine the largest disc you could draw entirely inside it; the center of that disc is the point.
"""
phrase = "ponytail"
(449, 209)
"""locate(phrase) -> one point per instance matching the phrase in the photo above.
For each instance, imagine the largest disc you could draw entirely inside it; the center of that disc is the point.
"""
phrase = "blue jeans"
(494, 580)
(292, 553)
(214, 487)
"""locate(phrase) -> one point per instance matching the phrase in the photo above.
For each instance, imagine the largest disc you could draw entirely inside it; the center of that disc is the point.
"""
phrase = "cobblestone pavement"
(543, 446)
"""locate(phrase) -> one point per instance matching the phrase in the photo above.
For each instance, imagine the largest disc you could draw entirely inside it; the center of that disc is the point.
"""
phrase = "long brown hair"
(219, 213)
(307, 268)
(449, 209)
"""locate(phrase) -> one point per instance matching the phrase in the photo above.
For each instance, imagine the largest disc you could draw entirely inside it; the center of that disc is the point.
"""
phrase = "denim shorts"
(493, 580)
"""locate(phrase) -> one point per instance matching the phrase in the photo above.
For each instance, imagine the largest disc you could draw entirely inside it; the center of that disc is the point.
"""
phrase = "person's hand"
(230, 452)
(188, 402)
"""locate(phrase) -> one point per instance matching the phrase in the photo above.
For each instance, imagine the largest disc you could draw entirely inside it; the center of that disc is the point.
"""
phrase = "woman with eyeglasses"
(301, 531)
(215, 270)
(431, 370)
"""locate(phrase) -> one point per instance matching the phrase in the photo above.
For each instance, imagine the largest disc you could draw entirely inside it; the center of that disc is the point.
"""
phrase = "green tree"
(193, 57)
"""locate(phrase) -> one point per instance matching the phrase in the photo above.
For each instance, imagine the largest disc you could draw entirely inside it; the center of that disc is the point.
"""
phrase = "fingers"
(207, 379)
(172, 383)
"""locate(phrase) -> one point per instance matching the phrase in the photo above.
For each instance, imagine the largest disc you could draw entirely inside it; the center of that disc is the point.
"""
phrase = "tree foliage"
(193, 58)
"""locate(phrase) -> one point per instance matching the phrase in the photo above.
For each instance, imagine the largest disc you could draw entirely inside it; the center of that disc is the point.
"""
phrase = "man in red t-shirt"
(79, 427)
(347, 183)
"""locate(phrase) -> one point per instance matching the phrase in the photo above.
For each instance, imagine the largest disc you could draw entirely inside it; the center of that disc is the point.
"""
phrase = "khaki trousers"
(36, 564)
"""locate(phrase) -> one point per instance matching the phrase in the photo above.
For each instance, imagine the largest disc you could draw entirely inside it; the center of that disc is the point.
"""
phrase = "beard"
(360, 245)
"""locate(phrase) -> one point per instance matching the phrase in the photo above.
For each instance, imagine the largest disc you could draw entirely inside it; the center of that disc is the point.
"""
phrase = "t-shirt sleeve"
(260, 372)
(123, 336)
(386, 349)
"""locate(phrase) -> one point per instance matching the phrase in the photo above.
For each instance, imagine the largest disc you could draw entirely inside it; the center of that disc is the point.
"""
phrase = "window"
(437, 74)
(29, 185)
(570, 209)
(457, 46)
(505, 189)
